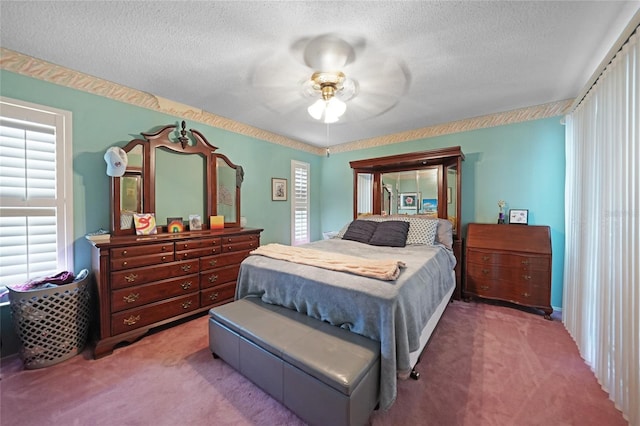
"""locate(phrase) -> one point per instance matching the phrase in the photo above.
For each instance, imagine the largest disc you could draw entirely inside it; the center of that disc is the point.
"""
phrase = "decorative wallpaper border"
(46, 71)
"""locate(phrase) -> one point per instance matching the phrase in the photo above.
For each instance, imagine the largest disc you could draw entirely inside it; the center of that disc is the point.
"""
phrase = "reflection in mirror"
(179, 185)
(130, 198)
(452, 196)
(134, 159)
(226, 179)
(412, 192)
(365, 191)
(131, 188)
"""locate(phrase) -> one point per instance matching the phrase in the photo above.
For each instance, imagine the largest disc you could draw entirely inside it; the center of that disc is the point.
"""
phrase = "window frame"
(295, 204)
(62, 120)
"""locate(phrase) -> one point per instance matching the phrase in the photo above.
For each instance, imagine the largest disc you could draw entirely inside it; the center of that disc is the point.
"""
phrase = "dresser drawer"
(196, 253)
(226, 259)
(240, 243)
(128, 320)
(219, 276)
(130, 297)
(232, 239)
(197, 244)
(123, 252)
(241, 246)
(504, 275)
(507, 259)
(137, 261)
(220, 293)
(136, 276)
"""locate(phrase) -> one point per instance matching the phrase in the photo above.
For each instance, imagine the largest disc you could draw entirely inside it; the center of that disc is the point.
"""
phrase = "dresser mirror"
(425, 183)
(175, 173)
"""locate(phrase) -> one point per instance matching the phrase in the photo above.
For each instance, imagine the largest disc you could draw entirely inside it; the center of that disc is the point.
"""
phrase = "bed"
(401, 314)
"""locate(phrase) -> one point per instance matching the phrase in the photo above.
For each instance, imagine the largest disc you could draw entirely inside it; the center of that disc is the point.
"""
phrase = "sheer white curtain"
(602, 277)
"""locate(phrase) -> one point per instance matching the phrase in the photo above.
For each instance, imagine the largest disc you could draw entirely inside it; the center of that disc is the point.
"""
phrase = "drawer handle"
(124, 263)
(124, 253)
(186, 268)
(525, 262)
(484, 287)
(186, 285)
(131, 278)
(229, 240)
(213, 278)
(164, 258)
(186, 304)
(131, 320)
(213, 262)
(525, 294)
(526, 277)
(485, 258)
(485, 271)
(214, 249)
(213, 296)
(164, 248)
(229, 248)
(185, 255)
(132, 297)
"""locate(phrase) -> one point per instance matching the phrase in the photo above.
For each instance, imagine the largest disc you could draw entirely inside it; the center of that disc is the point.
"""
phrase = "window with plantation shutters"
(36, 227)
(300, 203)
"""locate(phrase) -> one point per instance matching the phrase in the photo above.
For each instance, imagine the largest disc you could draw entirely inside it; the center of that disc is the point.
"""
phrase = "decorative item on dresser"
(510, 263)
(144, 281)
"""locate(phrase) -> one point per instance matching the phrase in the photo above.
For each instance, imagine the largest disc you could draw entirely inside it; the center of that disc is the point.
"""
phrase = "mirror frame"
(445, 158)
(197, 144)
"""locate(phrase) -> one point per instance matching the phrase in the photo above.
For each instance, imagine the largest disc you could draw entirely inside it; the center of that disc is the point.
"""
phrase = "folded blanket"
(382, 269)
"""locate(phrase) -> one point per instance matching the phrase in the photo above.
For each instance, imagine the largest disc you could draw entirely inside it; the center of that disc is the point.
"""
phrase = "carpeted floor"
(485, 365)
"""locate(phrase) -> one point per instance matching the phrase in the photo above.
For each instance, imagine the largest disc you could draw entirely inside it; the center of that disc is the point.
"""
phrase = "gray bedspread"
(391, 312)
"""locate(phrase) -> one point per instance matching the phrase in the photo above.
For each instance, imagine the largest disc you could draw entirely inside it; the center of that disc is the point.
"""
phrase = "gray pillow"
(391, 233)
(360, 230)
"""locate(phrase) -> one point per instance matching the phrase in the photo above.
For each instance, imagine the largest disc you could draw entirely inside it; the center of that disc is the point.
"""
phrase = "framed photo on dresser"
(519, 217)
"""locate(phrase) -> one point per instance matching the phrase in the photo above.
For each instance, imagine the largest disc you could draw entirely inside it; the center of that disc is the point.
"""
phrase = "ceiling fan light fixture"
(327, 111)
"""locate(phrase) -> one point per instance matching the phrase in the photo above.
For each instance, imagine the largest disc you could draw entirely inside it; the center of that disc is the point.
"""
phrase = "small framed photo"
(195, 222)
(520, 217)
(278, 189)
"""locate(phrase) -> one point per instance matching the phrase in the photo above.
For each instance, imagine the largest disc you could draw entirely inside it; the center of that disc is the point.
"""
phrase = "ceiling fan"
(331, 78)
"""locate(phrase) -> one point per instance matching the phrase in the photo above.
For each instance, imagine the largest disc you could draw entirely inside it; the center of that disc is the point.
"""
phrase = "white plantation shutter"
(35, 192)
(300, 205)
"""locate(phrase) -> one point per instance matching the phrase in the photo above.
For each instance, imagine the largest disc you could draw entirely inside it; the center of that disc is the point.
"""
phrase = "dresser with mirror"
(146, 281)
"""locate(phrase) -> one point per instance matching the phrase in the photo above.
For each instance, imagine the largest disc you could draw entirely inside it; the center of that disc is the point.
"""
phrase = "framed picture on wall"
(518, 216)
(278, 189)
(409, 200)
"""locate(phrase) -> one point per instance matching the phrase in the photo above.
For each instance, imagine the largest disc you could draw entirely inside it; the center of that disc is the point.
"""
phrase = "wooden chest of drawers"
(148, 281)
(511, 263)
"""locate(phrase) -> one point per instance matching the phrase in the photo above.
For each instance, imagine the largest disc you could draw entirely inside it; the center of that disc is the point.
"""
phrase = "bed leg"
(414, 374)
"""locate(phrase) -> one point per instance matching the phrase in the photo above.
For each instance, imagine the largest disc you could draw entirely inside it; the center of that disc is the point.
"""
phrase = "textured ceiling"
(239, 59)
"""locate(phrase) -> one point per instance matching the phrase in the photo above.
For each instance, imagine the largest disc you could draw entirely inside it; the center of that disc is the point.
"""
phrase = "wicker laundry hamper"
(52, 323)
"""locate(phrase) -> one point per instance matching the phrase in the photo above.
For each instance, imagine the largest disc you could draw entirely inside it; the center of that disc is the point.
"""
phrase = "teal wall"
(522, 164)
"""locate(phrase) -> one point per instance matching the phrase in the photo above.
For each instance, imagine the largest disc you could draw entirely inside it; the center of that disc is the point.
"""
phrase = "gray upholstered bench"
(324, 374)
